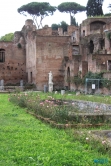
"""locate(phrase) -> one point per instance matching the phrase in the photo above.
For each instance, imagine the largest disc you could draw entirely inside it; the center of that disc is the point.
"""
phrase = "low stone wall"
(92, 107)
(14, 88)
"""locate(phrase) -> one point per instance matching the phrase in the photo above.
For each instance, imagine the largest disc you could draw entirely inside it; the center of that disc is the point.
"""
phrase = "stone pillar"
(1, 84)
(21, 83)
(50, 82)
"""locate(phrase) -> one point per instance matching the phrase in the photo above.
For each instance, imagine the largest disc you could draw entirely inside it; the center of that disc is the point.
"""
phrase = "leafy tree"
(107, 14)
(54, 26)
(73, 21)
(94, 7)
(37, 9)
(71, 8)
(91, 75)
(62, 25)
(7, 37)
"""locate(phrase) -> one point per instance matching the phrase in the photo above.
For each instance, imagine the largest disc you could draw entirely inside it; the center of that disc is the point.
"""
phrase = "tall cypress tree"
(73, 21)
(94, 7)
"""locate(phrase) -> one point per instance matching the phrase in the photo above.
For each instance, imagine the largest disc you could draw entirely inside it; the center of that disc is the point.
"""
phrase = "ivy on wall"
(77, 80)
(19, 45)
(109, 35)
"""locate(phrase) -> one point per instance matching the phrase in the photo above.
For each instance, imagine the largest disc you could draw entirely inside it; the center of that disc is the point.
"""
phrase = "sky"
(11, 20)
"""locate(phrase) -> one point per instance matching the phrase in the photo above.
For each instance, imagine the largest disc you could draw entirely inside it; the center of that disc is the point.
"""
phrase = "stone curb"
(63, 126)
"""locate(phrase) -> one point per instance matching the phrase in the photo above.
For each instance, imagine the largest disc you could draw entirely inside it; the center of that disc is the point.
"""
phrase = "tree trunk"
(70, 18)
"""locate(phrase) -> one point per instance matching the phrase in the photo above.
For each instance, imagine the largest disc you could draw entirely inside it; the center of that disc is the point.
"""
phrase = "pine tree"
(94, 8)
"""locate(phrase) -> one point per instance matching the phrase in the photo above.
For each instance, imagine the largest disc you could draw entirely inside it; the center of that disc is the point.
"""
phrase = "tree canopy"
(94, 7)
(54, 26)
(71, 7)
(62, 25)
(7, 37)
(37, 9)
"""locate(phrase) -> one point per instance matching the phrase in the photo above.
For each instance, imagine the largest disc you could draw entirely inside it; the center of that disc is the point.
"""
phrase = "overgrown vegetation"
(62, 25)
(38, 11)
(19, 45)
(109, 36)
(71, 7)
(103, 82)
(58, 110)
(7, 37)
(94, 8)
(25, 140)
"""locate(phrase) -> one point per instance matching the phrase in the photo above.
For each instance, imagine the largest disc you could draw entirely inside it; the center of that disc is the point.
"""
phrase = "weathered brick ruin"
(34, 53)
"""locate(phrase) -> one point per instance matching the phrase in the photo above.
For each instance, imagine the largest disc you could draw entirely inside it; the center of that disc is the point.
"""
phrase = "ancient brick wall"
(13, 69)
(50, 54)
(72, 28)
(91, 64)
(92, 25)
(46, 31)
(31, 59)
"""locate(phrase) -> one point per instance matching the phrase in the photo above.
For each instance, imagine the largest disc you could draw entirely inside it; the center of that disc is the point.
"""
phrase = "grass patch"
(106, 99)
(60, 108)
(25, 140)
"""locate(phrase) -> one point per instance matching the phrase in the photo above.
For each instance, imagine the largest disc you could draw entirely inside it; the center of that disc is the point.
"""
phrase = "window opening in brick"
(8, 67)
(91, 46)
(83, 33)
(109, 65)
(2, 55)
(102, 43)
(68, 77)
(31, 77)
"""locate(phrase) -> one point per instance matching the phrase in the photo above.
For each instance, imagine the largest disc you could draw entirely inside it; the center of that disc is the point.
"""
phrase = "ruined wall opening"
(110, 42)
(97, 25)
(83, 33)
(109, 65)
(2, 55)
(74, 37)
(102, 43)
(31, 77)
(91, 46)
(68, 77)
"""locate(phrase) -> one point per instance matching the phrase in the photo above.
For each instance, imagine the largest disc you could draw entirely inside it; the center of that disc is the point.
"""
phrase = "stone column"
(21, 85)
(2, 85)
(50, 82)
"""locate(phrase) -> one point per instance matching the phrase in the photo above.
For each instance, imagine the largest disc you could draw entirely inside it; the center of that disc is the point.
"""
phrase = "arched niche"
(96, 25)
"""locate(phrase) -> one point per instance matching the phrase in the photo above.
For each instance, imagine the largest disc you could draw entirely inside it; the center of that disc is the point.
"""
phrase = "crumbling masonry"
(34, 53)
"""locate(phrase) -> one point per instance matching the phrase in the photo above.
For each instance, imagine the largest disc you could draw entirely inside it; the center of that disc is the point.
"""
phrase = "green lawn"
(72, 96)
(26, 141)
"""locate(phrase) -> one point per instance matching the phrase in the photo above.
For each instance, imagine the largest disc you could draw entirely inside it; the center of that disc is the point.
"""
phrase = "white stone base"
(1, 87)
(51, 87)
